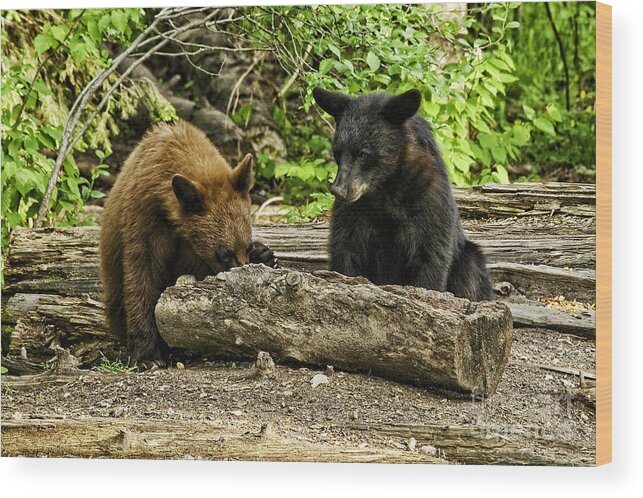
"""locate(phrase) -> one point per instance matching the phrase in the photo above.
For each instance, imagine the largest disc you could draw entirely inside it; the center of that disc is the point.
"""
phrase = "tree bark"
(402, 333)
(527, 199)
(64, 261)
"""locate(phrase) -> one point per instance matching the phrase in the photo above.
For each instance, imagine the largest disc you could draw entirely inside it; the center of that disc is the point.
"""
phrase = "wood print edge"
(603, 233)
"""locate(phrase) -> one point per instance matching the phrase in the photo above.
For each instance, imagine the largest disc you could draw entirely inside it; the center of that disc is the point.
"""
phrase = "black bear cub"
(394, 219)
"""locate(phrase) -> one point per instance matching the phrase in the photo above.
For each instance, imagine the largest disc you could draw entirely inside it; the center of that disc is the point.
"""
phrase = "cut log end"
(403, 333)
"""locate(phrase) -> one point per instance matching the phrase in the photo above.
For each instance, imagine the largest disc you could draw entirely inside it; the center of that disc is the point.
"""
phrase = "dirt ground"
(537, 416)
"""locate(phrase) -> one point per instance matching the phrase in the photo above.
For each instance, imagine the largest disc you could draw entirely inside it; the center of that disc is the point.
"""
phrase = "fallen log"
(402, 333)
(39, 321)
(538, 281)
(528, 315)
(64, 261)
(45, 320)
(99, 437)
(527, 199)
(482, 444)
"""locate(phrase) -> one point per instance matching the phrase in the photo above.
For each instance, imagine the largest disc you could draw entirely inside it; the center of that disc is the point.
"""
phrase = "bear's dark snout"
(348, 186)
(338, 190)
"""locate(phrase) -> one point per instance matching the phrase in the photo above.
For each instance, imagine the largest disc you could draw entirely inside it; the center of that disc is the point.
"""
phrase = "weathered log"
(46, 320)
(64, 261)
(484, 445)
(42, 320)
(538, 281)
(528, 315)
(158, 439)
(402, 333)
(527, 199)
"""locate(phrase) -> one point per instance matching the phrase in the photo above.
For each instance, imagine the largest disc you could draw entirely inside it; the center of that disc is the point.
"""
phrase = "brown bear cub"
(176, 208)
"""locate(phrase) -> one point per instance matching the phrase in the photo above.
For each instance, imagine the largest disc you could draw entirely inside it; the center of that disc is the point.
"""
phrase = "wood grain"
(402, 333)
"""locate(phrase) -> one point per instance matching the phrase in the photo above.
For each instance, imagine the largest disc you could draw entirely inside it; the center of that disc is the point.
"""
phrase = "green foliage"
(316, 206)
(542, 86)
(108, 366)
(467, 64)
(461, 66)
(3, 370)
(46, 62)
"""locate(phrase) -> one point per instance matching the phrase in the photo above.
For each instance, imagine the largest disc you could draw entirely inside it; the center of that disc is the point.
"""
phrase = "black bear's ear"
(401, 107)
(187, 193)
(334, 103)
(243, 175)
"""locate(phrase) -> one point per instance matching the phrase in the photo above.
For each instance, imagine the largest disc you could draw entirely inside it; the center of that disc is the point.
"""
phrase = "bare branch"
(235, 88)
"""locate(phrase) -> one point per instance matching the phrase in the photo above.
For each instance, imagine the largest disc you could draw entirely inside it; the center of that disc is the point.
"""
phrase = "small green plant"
(113, 366)
(3, 370)
(320, 204)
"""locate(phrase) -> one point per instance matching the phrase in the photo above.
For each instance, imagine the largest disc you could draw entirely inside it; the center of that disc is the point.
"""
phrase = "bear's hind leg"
(468, 276)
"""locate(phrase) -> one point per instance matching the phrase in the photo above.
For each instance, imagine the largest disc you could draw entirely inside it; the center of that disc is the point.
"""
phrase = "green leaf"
(499, 154)
(77, 49)
(462, 162)
(325, 66)
(119, 21)
(42, 43)
(14, 147)
(520, 135)
(502, 174)
(104, 22)
(59, 32)
(94, 31)
(487, 141)
(529, 111)
(334, 49)
(542, 123)
(554, 113)
(373, 61)
(41, 87)
(26, 180)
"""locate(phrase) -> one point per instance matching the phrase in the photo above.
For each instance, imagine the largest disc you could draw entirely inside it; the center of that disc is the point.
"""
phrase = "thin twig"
(295, 73)
(270, 201)
(235, 88)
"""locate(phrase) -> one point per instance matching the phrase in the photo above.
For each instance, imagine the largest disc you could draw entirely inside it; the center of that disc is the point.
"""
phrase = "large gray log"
(538, 281)
(402, 333)
(65, 260)
(527, 199)
(526, 315)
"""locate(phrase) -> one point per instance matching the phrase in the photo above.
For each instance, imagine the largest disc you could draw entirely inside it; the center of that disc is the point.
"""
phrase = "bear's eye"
(362, 154)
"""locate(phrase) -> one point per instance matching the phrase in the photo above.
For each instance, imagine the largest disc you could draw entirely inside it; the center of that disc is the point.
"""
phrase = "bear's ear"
(187, 193)
(334, 103)
(243, 175)
(401, 107)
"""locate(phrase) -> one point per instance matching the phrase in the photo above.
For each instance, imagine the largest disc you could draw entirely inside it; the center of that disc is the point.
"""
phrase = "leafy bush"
(548, 78)
(47, 59)
(461, 61)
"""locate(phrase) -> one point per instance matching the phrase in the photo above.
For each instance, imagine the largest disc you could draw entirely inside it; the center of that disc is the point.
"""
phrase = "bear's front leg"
(261, 253)
(143, 286)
